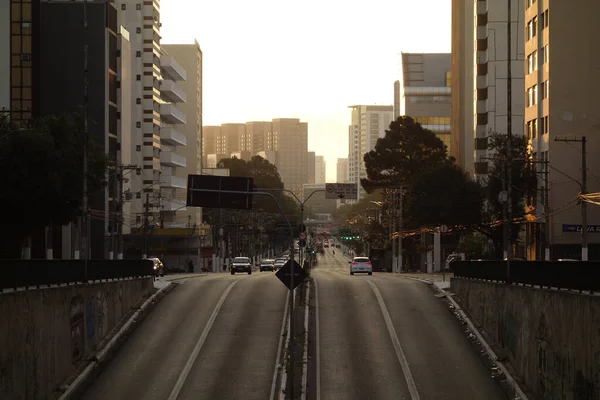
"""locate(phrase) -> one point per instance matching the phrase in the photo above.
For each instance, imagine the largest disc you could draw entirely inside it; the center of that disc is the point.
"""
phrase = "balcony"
(171, 159)
(170, 91)
(172, 137)
(174, 205)
(172, 182)
(171, 114)
(172, 68)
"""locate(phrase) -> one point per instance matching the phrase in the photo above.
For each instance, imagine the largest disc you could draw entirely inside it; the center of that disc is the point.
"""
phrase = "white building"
(342, 170)
(320, 170)
(369, 123)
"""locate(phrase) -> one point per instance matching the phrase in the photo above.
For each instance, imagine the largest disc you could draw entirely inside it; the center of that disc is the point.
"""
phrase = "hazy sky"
(306, 59)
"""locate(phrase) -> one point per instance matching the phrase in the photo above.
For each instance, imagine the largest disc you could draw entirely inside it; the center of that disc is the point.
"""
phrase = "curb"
(103, 356)
(491, 354)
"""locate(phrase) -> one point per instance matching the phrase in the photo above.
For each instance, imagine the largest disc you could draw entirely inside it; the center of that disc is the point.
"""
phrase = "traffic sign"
(341, 191)
(302, 235)
(444, 228)
(285, 274)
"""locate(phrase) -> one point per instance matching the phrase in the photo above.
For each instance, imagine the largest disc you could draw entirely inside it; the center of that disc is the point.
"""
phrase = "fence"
(35, 273)
(573, 275)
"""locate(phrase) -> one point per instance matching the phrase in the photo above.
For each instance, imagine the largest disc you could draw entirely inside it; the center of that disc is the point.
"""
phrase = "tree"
(444, 194)
(523, 181)
(406, 149)
(44, 175)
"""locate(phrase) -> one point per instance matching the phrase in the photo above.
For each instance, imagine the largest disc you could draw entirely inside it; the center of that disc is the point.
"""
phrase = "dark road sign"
(285, 274)
(216, 198)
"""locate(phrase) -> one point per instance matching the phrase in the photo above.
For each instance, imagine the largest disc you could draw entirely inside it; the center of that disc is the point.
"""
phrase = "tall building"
(289, 138)
(231, 138)
(311, 163)
(425, 92)
(342, 170)
(256, 136)
(461, 115)
(210, 135)
(320, 170)
(560, 51)
(142, 21)
(369, 123)
(490, 93)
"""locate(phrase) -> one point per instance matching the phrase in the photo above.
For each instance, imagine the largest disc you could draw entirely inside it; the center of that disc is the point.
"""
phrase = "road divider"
(278, 361)
(305, 345)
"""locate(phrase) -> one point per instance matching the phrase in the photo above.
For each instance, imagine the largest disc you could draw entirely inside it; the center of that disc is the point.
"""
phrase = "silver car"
(241, 264)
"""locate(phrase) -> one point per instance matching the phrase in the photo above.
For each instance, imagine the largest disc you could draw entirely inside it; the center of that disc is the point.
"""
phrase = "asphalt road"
(388, 337)
(177, 352)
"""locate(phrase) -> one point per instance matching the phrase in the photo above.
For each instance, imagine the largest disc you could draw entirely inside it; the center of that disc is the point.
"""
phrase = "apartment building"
(311, 163)
(320, 170)
(368, 123)
(189, 58)
(255, 136)
(491, 70)
(342, 170)
(462, 80)
(560, 95)
(289, 138)
(209, 142)
(142, 21)
(172, 140)
(425, 92)
(231, 137)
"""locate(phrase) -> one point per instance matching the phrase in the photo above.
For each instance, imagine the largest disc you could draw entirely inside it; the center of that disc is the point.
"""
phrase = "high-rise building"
(369, 123)
(256, 136)
(320, 170)
(210, 135)
(559, 50)
(425, 92)
(342, 170)
(142, 21)
(461, 115)
(231, 137)
(311, 163)
(289, 138)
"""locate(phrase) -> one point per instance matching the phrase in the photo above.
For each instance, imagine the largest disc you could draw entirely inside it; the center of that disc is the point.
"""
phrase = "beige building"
(342, 170)
(230, 139)
(209, 141)
(561, 50)
(256, 136)
(461, 115)
(289, 138)
(189, 57)
(320, 170)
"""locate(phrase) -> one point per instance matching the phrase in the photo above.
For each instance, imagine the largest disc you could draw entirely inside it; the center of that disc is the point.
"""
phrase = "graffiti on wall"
(77, 328)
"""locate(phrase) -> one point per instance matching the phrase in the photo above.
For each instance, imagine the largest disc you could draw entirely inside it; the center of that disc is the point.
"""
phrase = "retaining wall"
(46, 333)
(550, 338)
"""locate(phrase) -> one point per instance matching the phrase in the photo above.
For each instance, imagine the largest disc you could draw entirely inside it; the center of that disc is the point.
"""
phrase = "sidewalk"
(441, 281)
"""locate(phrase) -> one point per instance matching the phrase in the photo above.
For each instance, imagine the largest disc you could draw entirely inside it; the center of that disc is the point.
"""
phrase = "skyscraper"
(342, 170)
(320, 170)
(289, 137)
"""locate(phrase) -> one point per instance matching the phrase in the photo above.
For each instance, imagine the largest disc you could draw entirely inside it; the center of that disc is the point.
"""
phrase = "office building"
(342, 170)
(461, 116)
(209, 142)
(560, 95)
(230, 139)
(311, 163)
(425, 92)
(255, 136)
(289, 138)
(189, 58)
(320, 170)
(368, 123)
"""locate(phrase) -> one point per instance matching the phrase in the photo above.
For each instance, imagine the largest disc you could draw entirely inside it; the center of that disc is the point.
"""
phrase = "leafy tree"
(523, 181)
(406, 149)
(43, 183)
(444, 194)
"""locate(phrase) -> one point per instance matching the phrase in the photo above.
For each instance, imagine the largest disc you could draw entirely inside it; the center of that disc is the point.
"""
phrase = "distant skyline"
(270, 59)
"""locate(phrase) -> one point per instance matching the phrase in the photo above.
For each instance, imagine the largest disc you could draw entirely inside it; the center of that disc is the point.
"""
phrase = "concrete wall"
(551, 338)
(46, 333)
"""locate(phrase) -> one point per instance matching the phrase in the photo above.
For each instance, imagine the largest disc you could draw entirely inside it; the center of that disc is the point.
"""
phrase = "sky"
(309, 59)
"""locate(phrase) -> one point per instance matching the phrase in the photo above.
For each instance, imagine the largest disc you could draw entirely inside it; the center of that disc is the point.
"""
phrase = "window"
(530, 3)
(544, 20)
(123, 6)
(138, 124)
(531, 28)
(532, 61)
(138, 77)
(544, 128)
(482, 119)
(138, 101)
(138, 30)
(532, 96)
(545, 89)
(138, 6)
(534, 128)
(138, 147)
(138, 53)
(546, 50)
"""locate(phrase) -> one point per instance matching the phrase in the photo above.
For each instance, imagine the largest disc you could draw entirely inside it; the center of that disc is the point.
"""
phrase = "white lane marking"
(284, 373)
(317, 344)
(305, 350)
(190, 362)
(410, 382)
(278, 364)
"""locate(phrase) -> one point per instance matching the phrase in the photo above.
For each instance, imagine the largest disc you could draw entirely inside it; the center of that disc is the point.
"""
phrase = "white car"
(361, 265)
(241, 264)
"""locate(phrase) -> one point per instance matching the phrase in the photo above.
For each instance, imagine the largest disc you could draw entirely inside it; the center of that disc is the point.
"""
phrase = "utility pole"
(509, 135)
(146, 223)
(400, 226)
(85, 247)
(120, 178)
(584, 225)
(393, 215)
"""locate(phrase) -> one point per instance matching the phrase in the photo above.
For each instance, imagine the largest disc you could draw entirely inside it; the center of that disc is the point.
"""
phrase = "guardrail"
(35, 273)
(573, 275)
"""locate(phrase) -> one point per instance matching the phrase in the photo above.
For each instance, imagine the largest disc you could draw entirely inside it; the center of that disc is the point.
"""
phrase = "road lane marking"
(192, 359)
(410, 382)
(278, 365)
(305, 350)
(317, 344)
(284, 374)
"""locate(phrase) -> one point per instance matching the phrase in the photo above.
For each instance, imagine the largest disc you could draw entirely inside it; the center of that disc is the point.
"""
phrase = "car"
(267, 265)
(159, 267)
(280, 262)
(241, 264)
(361, 265)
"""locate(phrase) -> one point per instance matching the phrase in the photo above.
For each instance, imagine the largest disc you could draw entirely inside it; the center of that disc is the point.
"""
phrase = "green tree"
(523, 182)
(44, 176)
(406, 149)
(444, 194)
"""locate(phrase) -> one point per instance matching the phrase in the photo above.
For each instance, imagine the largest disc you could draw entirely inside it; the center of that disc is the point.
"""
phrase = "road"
(388, 337)
(236, 356)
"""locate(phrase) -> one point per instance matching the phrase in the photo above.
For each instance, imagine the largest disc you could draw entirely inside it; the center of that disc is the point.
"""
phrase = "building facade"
(342, 170)
(209, 142)
(368, 123)
(425, 90)
(310, 161)
(320, 170)
(289, 138)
